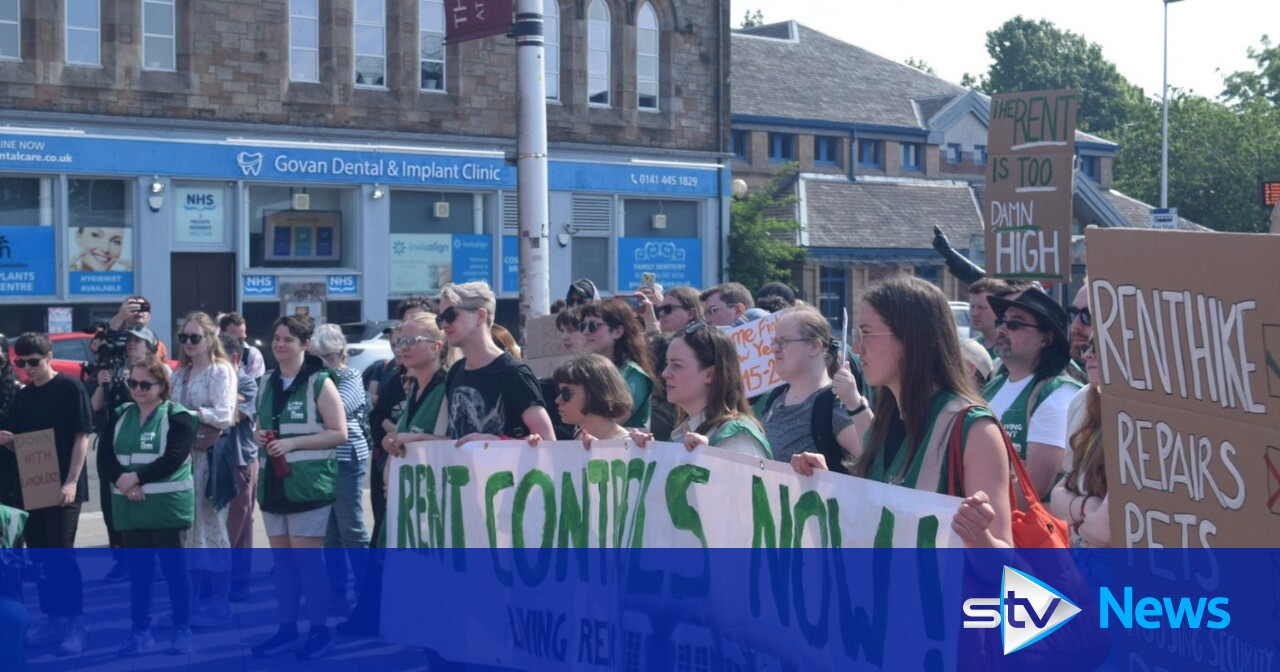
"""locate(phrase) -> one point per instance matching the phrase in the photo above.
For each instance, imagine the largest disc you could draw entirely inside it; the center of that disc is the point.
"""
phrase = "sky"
(1207, 38)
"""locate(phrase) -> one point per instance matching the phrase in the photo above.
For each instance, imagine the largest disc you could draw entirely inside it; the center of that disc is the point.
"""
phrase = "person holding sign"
(591, 394)
(301, 422)
(704, 382)
(910, 351)
(146, 456)
(612, 330)
(56, 402)
(1031, 394)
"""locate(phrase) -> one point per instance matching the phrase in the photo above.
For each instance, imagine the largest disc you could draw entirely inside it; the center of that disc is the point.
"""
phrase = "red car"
(69, 352)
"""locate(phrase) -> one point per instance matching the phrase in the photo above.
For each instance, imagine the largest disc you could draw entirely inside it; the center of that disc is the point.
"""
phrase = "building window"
(159, 48)
(931, 274)
(551, 38)
(871, 153)
(953, 153)
(431, 43)
(10, 34)
(647, 58)
(979, 155)
(911, 156)
(371, 43)
(323, 236)
(100, 252)
(1089, 165)
(826, 150)
(598, 58)
(738, 143)
(592, 216)
(832, 290)
(782, 147)
(84, 32)
(304, 41)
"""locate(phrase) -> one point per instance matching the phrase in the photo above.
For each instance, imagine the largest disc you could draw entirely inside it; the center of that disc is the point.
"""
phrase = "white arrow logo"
(1044, 610)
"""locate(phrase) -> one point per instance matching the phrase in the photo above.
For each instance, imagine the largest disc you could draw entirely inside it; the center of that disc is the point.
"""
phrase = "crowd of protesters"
(185, 456)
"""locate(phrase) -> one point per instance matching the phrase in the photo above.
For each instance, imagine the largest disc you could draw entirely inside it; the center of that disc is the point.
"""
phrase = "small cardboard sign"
(1031, 146)
(38, 469)
(1188, 343)
(754, 341)
(541, 338)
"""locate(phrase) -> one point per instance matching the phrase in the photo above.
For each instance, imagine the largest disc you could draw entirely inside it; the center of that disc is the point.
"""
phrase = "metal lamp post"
(1164, 115)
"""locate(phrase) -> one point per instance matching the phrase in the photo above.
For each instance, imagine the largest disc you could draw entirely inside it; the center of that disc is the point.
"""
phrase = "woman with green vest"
(301, 422)
(146, 456)
(704, 382)
(910, 351)
(612, 329)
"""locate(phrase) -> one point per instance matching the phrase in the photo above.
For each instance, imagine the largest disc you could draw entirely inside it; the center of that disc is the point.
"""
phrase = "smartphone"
(648, 279)
(143, 307)
(636, 302)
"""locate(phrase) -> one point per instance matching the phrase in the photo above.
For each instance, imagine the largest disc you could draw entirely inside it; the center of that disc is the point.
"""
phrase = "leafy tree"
(1037, 55)
(920, 64)
(753, 19)
(761, 238)
(1264, 84)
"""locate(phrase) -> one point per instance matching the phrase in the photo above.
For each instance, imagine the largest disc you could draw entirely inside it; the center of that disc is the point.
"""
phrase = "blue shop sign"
(101, 283)
(638, 178)
(674, 261)
(258, 285)
(26, 261)
(511, 264)
(344, 285)
(472, 258)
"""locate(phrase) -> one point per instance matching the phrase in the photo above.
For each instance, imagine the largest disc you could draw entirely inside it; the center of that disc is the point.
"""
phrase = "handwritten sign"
(754, 341)
(38, 469)
(1028, 211)
(1191, 386)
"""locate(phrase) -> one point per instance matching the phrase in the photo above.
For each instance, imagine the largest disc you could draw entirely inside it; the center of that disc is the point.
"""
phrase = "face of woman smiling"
(100, 248)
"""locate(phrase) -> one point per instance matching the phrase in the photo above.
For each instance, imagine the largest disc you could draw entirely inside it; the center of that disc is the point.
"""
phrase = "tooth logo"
(250, 164)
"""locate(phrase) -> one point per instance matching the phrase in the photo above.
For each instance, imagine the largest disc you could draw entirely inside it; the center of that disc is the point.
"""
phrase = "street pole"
(531, 162)
(1164, 115)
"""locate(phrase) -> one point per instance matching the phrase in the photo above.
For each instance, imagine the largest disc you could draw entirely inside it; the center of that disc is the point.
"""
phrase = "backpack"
(824, 438)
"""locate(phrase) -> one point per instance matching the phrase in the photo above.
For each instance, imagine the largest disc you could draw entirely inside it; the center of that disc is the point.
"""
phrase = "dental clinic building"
(276, 173)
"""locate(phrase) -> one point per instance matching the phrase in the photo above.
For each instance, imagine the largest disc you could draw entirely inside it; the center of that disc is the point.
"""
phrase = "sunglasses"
(1014, 325)
(406, 342)
(591, 327)
(694, 328)
(565, 394)
(31, 362)
(450, 315)
(193, 339)
(144, 385)
(664, 311)
(1086, 318)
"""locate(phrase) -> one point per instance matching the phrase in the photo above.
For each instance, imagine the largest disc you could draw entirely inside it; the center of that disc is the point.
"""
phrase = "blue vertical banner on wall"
(26, 261)
(674, 261)
(511, 263)
(472, 258)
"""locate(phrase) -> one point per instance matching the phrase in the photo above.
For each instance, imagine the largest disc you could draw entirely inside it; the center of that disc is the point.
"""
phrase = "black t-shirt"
(492, 399)
(60, 404)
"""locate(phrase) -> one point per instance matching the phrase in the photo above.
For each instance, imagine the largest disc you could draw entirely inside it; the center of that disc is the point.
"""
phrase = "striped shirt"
(356, 405)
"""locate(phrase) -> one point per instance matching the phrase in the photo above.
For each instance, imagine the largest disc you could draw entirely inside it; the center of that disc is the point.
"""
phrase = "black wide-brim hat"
(1050, 316)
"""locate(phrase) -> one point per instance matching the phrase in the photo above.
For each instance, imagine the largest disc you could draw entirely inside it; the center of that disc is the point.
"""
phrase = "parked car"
(960, 311)
(367, 343)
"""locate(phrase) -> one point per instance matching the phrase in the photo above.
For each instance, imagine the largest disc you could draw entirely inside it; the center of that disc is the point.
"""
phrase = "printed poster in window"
(100, 260)
(27, 261)
(201, 215)
(305, 299)
(420, 262)
(672, 261)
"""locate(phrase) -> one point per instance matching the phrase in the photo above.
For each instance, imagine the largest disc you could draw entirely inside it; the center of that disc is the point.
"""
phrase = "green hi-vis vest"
(423, 418)
(170, 502)
(12, 522)
(1017, 418)
(641, 388)
(313, 474)
(736, 425)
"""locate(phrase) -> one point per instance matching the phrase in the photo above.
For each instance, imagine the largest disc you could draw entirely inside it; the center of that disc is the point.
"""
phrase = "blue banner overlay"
(26, 261)
(650, 609)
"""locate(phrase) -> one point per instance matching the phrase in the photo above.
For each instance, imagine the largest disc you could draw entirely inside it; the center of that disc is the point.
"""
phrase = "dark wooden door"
(202, 281)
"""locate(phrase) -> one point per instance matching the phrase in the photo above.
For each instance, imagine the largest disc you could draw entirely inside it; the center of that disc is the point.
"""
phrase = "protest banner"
(38, 469)
(1189, 368)
(1031, 149)
(560, 505)
(754, 341)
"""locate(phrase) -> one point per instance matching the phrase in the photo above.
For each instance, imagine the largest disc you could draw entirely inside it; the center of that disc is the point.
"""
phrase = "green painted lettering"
(533, 574)
(685, 517)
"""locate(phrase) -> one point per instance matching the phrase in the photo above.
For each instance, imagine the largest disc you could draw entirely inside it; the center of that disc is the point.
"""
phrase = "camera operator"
(110, 395)
(135, 313)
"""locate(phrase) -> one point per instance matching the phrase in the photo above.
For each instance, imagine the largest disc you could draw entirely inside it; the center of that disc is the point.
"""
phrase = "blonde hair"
(427, 323)
(471, 295)
(209, 332)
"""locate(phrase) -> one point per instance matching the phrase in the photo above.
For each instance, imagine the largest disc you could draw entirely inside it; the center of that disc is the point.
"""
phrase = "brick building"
(220, 154)
(885, 152)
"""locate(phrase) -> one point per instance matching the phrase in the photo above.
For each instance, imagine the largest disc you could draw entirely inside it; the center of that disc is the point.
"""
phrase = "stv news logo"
(1027, 610)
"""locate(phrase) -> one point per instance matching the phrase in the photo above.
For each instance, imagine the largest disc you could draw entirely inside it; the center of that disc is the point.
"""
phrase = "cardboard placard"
(1188, 340)
(38, 469)
(541, 338)
(754, 341)
(1031, 149)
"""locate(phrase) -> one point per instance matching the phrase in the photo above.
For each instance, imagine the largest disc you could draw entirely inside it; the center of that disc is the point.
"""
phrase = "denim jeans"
(346, 527)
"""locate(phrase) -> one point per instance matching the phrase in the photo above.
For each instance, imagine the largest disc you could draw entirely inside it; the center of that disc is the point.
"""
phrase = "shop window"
(10, 34)
(435, 240)
(323, 235)
(27, 246)
(431, 43)
(593, 222)
(100, 249)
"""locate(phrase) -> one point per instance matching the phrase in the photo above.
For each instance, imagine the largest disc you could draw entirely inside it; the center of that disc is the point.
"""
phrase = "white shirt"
(1048, 424)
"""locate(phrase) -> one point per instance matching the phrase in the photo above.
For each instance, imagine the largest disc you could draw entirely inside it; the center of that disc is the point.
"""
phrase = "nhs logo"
(344, 285)
(1027, 610)
(259, 285)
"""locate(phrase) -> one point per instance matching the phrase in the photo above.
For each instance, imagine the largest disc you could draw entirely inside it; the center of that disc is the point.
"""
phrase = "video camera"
(112, 352)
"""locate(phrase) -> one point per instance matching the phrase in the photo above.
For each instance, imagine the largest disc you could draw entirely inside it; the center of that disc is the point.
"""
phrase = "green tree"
(753, 19)
(1264, 84)
(920, 64)
(762, 235)
(1037, 55)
